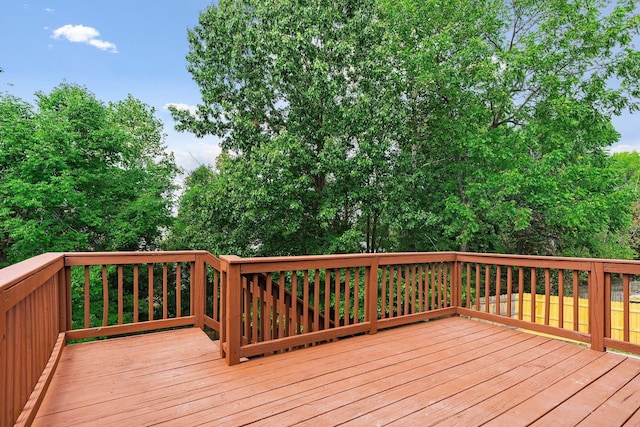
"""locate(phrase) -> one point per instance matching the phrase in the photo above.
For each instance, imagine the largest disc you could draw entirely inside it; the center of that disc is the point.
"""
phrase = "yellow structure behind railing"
(617, 315)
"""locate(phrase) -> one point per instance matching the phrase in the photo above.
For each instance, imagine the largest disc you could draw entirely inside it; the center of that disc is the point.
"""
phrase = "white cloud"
(49, 10)
(197, 152)
(621, 148)
(76, 33)
(83, 34)
(180, 106)
(103, 45)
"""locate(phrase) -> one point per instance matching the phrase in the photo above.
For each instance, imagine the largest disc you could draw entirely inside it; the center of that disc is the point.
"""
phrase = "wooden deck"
(453, 371)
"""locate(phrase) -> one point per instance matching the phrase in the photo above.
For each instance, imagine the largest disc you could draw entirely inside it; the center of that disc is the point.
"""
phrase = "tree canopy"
(76, 174)
(412, 125)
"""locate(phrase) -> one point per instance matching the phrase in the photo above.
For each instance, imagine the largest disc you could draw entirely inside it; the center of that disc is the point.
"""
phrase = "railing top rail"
(542, 258)
(16, 273)
(262, 264)
(527, 261)
(233, 259)
(96, 258)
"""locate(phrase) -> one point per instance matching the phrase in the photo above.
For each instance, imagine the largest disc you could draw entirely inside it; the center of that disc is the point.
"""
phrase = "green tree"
(76, 174)
(628, 165)
(290, 89)
(509, 109)
(416, 125)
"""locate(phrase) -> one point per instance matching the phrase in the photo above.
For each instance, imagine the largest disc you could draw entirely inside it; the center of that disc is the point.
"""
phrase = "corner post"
(596, 305)
(371, 295)
(456, 283)
(200, 274)
(6, 414)
(233, 310)
(64, 299)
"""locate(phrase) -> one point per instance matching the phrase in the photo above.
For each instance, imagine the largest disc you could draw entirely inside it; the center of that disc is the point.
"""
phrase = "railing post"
(199, 285)
(456, 279)
(6, 416)
(233, 311)
(371, 295)
(596, 305)
(64, 299)
(224, 268)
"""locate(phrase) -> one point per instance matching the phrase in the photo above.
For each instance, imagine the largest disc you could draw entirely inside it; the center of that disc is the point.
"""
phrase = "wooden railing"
(525, 292)
(54, 298)
(264, 305)
(337, 296)
(626, 272)
(134, 292)
(563, 297)
(33, 317)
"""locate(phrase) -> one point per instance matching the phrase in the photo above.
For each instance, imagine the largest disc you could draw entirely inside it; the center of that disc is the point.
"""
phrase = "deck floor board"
(452, 371)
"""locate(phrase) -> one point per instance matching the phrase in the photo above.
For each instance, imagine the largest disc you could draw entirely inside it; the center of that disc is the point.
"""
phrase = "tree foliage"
(76, 174)
(413, 125)
(290, 88)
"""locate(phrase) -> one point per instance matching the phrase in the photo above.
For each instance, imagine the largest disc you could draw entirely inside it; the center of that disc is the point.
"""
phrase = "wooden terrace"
(346, 339)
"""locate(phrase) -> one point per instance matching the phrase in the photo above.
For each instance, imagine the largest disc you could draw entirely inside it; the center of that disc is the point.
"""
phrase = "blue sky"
(116, 48)
(113, 48)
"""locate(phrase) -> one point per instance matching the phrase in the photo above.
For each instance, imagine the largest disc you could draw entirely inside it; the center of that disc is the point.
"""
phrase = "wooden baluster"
(281, 307)
(383, 298)
(509, 289)
(520, 292)
(413, 289)
(498, 291)
(547, 295)
(327, 298)
(399, 291)
(87, 301)
(150, 291)
(478, 267)
(487, 287)
(607, 305)
(253, 287)
(294, 303)
(441, 279)
(179, 291)
(336, 307)
(165, 290)
(533, 295)
(270, 324)
(421, 288)
(576, 305)
(405, 307)
(625, 306)
(120, 295)
(468, 285)
(347, 296)
(305, 303)
(561, 298)
(105, 296)
(390, 298)
(136, 296)
(316, 301)
(356, 297)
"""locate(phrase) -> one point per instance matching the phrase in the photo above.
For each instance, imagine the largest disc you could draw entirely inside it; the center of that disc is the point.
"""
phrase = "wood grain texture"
(451, 371)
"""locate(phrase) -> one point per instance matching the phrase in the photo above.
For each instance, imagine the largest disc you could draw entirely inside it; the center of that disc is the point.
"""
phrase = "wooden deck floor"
(447, 372)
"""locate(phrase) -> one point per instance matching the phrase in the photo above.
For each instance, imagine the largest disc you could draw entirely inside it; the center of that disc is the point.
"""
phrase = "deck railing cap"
(15, 273)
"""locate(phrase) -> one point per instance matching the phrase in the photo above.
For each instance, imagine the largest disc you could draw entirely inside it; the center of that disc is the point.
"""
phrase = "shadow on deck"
(452, 371)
